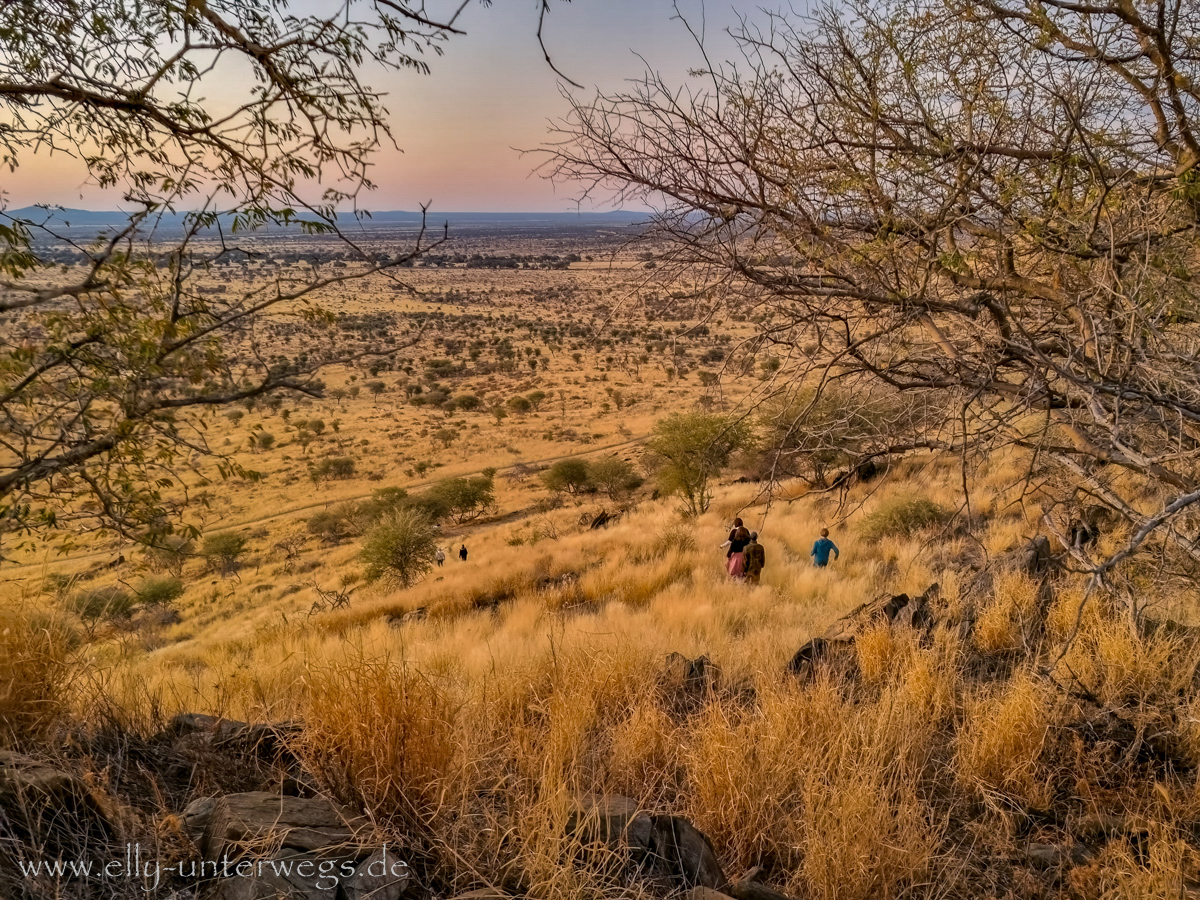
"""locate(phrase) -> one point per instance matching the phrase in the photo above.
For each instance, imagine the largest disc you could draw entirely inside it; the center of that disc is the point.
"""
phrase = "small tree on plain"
(400, 549)
(691, 449)
(568, 476)
(614, 476)
(224, 551)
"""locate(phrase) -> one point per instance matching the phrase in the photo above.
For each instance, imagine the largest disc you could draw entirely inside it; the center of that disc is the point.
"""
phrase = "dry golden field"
(467, 713)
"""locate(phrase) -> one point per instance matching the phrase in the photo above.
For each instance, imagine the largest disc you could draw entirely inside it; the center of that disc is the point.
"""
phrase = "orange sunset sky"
(489, 93)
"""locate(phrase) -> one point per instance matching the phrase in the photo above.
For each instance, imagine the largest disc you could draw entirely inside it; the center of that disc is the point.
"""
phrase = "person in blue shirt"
(820, 550)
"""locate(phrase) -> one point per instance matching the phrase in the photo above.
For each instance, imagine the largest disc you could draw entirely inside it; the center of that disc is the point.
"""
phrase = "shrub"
(168, 553)
(223, 551)
(614, 476)
(109, 602)
(568, 476)
(36, 667)
(519, 405)
(901, 517)
(399, 548)
(464, 499)
(691, 449)
(160, 591)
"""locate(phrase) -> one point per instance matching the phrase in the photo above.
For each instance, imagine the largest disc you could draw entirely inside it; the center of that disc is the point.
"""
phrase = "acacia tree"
(110, 368)
(992, 201)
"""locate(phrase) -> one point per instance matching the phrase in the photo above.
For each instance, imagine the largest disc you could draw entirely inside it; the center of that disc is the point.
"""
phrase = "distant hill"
(92, 219)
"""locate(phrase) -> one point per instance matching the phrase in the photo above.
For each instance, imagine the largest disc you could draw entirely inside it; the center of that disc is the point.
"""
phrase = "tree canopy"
(990, 203)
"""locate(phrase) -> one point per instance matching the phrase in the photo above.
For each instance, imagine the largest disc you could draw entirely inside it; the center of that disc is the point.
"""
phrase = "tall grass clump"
(901, 516)
(379, 735)
(38, 665)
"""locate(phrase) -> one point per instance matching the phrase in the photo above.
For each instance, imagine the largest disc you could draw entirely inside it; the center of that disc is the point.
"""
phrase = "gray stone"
(286, 874)
(49, 806)
(384, 875)
(195, 818)
(601, 819)
(257, 818)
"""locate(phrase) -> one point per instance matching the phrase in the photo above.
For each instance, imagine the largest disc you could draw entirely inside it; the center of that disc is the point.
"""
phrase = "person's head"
(824, 532)
(737, 523)
(754, 535)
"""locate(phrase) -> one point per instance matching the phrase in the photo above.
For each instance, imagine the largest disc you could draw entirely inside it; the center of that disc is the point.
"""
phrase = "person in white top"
(440, 556)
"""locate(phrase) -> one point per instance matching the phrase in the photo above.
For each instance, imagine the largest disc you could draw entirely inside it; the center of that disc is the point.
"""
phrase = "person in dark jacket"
(739, 537)
(755, 559)
(462, 552)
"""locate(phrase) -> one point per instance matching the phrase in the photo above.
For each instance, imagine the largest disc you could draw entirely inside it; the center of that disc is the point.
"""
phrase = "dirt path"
(322, 503)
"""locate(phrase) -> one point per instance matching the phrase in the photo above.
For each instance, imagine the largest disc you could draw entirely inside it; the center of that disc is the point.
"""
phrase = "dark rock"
(685, 684)
(50, 809)
(601, 819)
(823, 652)
(195, 818)
(287, 873)
(670, 848)
(663, 848)
(383, 875)
(239, 821)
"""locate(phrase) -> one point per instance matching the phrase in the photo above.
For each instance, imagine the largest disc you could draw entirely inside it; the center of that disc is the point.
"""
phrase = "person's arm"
(837, 554)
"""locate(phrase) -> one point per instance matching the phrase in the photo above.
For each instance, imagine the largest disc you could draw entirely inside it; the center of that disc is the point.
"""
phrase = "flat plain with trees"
(919, 273)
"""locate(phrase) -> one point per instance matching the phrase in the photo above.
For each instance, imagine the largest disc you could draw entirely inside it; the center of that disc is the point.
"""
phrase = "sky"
(490, 92)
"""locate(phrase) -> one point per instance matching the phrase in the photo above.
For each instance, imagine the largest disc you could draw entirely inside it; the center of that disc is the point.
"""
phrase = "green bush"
(328, 525)
(613, 476)
(110, 602)
(568, 476)
(223, 551)
(399, 549)
(900, 517)
(160, 591)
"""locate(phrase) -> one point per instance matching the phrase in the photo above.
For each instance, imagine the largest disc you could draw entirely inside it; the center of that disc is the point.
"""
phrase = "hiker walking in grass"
(462, 552)
(822, 548)
(755, 559)
(440, 556)
(735, 561)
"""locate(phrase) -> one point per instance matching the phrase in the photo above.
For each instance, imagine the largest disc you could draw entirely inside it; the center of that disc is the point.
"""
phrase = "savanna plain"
(971, 722)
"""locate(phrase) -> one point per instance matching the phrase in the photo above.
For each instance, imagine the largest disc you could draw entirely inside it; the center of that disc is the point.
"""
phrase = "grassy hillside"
(932, 764)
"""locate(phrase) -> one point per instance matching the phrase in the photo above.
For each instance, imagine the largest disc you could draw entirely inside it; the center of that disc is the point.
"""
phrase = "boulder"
(685, 684)
(384, 875)
(48, 807)
(239, 822)
(258, 739)
(664, 848)
(287, 873)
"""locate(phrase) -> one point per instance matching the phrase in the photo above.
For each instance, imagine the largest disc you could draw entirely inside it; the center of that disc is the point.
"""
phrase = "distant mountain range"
(86, 218)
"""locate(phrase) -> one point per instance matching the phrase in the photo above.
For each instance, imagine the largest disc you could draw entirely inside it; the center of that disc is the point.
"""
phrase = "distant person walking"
(735, 561)
(462, 552)
(821, 549)
(440, 556)
(755, 558)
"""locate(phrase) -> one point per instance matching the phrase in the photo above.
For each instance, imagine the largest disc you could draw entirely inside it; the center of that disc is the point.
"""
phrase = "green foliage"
(168, 553)
(690, 449)
(535, 399)
(467, 402)
(901, 516)
(519, 405)
(110, 603)
(613, 476)
(464, 499)
(223, 551)
(568, 476)
(338, 467)
(160, 591)
(445, 437)
(399, 549)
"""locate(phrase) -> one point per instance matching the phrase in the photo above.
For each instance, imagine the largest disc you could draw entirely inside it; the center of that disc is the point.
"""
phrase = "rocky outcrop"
(49, 811)
(258, 819)
(660, 848)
